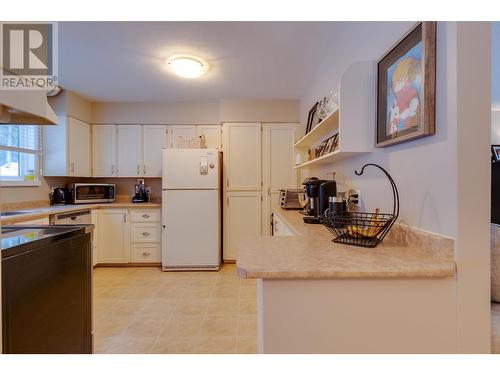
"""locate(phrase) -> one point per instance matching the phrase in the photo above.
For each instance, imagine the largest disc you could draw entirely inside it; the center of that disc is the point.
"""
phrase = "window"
(20, 149)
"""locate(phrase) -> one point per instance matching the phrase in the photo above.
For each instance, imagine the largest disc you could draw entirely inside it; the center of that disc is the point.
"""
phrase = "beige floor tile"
(182, 326)
(216, 345)
(154, 307)
(143, 326)
(247, 325)
(226, 292)
(111, 325)
(196, 306)
(223, 307)
(124, 344)
(145, 310)
(169, 345)
(248, 306)
(219, 326)
(246, 345)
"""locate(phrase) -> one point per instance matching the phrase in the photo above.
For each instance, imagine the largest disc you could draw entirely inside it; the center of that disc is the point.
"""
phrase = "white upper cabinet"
(277, 167)
(103, 150)
(67, 148)
(129, 147)
(212, 133)
(154, 140)
(242, 156)
(176, 131)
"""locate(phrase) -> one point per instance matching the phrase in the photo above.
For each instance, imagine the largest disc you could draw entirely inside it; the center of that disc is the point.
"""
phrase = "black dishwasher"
(46, 289)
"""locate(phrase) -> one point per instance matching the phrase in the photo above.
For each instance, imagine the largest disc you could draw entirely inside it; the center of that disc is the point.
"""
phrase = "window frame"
(19, 181)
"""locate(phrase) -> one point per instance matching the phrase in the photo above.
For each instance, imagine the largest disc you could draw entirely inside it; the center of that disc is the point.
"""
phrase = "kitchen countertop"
(44, 211)
(311, 254)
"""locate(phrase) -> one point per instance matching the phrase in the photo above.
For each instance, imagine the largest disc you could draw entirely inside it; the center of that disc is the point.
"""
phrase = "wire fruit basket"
(365, 229)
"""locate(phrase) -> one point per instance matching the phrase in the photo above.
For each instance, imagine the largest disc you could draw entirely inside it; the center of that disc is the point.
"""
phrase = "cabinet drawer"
(146, 233)
(146, 253)
(145, 216)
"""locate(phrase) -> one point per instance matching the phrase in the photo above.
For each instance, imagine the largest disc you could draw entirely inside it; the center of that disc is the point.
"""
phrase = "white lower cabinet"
(113, 236)
(128, 236)
(242, 219)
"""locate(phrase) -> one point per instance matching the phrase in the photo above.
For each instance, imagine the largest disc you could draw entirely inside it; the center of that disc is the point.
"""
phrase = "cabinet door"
(154, 140)
(184, 131)
(79, 148)
(242, 218)
(129, 155)
(277, 167)
(242, 156)
(103, 150)
(113, 236)
(212, 133)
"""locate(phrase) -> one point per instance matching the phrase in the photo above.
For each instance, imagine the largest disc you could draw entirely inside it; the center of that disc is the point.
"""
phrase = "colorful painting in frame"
(406, 88)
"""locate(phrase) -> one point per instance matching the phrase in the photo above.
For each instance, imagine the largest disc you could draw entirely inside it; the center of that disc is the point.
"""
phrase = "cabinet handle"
(124, 218)
(146, 254)
(144, 169)
(72, 167)
(145, 234)
(145, 216)
(138, 169)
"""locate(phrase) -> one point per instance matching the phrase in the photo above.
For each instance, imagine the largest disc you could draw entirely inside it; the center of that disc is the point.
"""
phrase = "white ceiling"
(124, 61)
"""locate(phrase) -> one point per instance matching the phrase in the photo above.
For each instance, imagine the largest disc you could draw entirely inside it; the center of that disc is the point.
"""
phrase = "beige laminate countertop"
(311, 254)
(45, 211)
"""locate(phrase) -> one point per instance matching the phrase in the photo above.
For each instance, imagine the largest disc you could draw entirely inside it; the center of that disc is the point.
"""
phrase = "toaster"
(289, 199)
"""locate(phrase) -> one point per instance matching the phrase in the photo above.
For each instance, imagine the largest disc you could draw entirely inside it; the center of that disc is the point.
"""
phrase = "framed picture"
(406, 88)
(495, 151)
(310, 117)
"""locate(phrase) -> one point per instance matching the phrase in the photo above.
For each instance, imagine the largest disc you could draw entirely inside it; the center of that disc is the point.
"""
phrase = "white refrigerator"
(191, 217)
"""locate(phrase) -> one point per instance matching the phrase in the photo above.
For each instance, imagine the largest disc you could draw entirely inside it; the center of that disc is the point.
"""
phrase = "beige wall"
(259, 111)
(155, 113)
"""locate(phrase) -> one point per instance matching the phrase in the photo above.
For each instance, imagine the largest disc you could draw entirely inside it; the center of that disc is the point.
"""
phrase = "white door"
(242, 219)
(212, 133)
(129, 155)
(103, 150)
(191, 234)
(277, 167)
(113, 236)
(79, 144)
(242, 156)
(190, 168)
(176, 131)
(154, 140)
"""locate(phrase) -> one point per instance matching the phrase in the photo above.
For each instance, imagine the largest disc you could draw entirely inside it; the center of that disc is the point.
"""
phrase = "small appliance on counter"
(59, 196)
(84, 193)
(290, 199)
(141, 192)
(318, 193)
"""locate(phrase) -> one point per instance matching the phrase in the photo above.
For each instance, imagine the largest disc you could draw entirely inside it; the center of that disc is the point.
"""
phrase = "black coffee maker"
(140, 193)
(317, 194)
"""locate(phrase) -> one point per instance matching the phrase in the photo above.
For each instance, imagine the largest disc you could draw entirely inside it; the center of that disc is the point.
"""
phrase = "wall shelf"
(326, 159)
(353, 120)
(327, 126)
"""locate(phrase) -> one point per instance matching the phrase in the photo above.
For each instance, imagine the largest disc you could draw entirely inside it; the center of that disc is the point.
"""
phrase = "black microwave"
(82, 193)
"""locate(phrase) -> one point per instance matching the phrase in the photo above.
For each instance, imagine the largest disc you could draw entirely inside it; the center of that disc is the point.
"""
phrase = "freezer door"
(190, 168)
(191, 233)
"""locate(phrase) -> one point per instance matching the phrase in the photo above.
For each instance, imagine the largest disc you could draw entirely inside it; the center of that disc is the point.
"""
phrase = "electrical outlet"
(356, 197)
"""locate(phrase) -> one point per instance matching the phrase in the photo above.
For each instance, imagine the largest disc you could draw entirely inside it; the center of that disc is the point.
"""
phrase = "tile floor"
(145, 310)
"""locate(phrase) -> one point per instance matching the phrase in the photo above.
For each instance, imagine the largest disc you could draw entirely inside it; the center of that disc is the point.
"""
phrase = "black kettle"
(59, 196)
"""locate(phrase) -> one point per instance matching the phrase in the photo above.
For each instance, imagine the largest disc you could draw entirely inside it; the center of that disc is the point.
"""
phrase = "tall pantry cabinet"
(258, 161)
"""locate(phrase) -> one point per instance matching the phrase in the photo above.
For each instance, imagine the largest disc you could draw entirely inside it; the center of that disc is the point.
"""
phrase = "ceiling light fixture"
(187, 66)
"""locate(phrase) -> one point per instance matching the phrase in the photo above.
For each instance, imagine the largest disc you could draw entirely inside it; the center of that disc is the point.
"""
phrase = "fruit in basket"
(370, 230)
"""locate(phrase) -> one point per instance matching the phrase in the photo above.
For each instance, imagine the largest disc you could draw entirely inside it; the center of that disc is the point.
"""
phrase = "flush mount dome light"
(187, 66)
